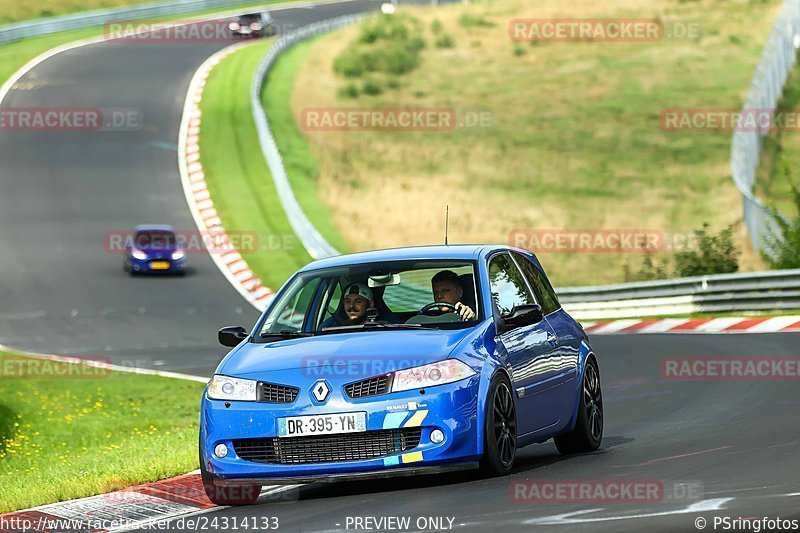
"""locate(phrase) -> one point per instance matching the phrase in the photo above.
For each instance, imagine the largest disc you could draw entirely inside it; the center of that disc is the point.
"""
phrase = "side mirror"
(522, 315)
(231, 336)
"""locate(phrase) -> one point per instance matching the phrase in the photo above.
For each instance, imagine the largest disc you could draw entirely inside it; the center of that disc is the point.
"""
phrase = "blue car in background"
(398, 362)
(154, 249)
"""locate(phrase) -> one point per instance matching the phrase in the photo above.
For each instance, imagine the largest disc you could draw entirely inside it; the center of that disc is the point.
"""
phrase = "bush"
(372, 88)
(469, 21)
(387, 44)
(711, 254)
(445, 41)
(783, 240)
(650, 270)
(348, 91)
(436, 26)
(349, 64)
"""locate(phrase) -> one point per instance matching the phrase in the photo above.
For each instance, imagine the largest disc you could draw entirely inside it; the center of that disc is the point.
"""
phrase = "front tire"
(239, 495)
(588, 430)
(500, 429)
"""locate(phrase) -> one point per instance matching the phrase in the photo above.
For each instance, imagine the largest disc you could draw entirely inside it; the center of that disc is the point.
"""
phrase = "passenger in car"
(356, 299)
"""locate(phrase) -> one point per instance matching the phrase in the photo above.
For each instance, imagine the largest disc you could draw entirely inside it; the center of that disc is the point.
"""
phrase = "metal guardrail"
(741, 292)
(88, 19)
(777, 61)
(312, 240)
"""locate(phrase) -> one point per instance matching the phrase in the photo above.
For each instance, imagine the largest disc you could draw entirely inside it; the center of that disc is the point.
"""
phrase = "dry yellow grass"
(576, 140)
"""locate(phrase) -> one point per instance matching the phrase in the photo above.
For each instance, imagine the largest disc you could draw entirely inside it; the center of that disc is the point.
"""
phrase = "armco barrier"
(741, 292)
(312, 240)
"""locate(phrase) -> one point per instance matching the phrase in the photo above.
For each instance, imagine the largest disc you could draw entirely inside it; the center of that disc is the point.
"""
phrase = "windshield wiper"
(288, 334)
(372, 326)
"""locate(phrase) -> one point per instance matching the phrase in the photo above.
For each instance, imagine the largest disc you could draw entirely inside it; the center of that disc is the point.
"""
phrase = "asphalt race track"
(63, 191)
(730, 447)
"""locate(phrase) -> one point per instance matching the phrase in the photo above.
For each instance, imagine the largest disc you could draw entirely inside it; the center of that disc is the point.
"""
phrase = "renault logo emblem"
(320, 390)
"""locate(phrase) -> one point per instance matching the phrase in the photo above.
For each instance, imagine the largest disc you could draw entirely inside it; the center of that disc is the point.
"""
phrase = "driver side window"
(507, 284)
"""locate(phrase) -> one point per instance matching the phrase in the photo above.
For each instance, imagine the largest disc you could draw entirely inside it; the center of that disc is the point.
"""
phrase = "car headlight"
(228, 388)
(255, 26)
(234, 26)
(138, 254)
(424, 376)
(178, 255)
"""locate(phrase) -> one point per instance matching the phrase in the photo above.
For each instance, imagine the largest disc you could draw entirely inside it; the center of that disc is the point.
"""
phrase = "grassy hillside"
(575, 138)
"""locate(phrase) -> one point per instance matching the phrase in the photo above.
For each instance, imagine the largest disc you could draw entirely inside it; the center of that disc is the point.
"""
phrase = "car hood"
(377, 352)
(159, 250)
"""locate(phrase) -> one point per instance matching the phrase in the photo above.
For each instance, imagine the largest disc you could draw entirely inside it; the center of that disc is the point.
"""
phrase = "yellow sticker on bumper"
(412, 457)
(416, 419)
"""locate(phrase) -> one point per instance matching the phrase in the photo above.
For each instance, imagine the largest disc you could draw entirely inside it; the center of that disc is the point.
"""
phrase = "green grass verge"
(64, 438)
(301, 166)
(236, 173)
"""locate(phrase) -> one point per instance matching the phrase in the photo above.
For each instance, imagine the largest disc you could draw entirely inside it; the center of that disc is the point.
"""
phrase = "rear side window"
(508, 287)
(541, 286)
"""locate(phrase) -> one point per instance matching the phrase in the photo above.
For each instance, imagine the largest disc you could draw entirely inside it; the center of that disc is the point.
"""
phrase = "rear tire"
(588, 432)
(238, 495)
(500, 429)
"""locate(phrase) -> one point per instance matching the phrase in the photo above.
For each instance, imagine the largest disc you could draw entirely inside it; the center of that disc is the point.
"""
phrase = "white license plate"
(297, 426)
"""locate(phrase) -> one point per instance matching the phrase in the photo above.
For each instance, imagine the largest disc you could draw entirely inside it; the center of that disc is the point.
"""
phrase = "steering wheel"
(437, 305)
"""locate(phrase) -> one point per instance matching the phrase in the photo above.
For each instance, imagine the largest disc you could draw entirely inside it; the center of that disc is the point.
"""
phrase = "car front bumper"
(143, 266)
(451, 408)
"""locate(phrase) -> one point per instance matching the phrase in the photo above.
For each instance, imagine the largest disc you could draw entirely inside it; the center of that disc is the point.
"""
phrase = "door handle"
(552, 339)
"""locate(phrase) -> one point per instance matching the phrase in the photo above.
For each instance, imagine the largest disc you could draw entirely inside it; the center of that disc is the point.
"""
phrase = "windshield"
(375, 296)
(161, 239)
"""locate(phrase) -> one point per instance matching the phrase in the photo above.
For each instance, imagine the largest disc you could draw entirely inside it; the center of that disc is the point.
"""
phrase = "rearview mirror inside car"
(383, 280)
(231, 336)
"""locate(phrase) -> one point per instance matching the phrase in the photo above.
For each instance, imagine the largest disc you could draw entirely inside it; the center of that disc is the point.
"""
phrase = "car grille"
(272, 393)
(328, 448)
(369, 387)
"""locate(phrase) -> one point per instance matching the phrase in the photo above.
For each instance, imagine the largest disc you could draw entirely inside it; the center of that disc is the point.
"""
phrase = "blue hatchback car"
(154, 249)
(399, 362)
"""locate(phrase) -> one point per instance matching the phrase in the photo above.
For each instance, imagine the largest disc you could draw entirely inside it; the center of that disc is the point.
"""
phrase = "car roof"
(154, 227)
(454, 252)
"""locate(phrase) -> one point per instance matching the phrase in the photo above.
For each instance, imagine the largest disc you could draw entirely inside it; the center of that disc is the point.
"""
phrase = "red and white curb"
(115, 511)
(775, 324)
(231, 263)
(180, 497)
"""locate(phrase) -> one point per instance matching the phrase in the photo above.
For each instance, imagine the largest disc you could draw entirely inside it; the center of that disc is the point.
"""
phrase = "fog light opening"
(221, 450)
(437, 436)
